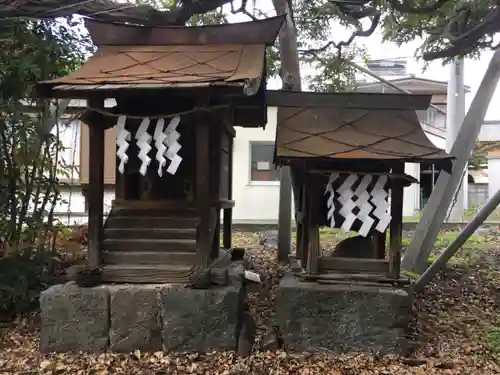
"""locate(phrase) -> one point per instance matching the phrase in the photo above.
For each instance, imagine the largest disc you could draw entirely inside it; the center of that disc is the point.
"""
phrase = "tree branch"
(404, 8)
(108, 10)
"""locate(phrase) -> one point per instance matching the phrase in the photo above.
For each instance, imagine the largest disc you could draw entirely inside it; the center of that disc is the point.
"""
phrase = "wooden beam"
(96, 187)
(351, 100)
(396, 227)
(353, 265)
(354, 277)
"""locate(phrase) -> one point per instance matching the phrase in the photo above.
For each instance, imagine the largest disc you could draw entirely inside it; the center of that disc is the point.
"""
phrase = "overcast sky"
(474, 69)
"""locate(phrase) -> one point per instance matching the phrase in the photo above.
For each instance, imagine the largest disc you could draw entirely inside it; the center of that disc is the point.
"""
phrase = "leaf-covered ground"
(456, 329)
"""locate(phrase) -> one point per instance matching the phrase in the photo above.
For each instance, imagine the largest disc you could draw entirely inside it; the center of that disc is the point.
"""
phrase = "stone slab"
(135, 318)
(202, 320)
(313, 316)
(74, 318)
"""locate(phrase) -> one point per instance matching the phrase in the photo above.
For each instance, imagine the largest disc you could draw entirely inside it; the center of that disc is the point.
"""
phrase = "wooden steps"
(149, 244)
(152, 242)
(145, 274)
(149, 257)
(118, 221)
(152, 233)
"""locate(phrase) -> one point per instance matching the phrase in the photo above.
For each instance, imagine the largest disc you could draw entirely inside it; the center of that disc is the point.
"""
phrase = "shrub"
(22, 277)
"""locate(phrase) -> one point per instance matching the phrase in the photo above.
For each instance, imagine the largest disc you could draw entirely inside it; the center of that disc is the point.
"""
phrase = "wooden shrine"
(347, 153)
(179, 93)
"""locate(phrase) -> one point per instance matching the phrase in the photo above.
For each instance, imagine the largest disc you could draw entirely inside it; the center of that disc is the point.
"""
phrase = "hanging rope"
(157, 117)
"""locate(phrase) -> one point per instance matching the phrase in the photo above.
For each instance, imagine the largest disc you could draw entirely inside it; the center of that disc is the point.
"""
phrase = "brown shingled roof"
(172, 57)
(352, 126)
(167, 66)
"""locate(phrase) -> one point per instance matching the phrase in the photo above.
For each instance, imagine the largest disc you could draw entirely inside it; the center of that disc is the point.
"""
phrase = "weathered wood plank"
(149, 245)
(150, 222)
(354, 277)
(150, 258)
(353, 265)
(151, 233)
(314, 250)
(96, 186)
(149, 274)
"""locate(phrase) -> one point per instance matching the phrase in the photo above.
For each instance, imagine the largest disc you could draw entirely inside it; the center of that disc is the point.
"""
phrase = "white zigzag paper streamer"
(173, 146)
(379, 200)
(363, 203)
(345, 198)
(160, 137)
(143, 142)
(122, 138)
(330, 204)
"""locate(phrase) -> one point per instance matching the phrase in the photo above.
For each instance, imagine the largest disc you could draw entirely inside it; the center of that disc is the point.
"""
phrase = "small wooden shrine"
(347, 153)
(179, 93)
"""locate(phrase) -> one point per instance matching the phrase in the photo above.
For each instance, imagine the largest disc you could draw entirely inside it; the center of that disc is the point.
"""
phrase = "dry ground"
(456, 330)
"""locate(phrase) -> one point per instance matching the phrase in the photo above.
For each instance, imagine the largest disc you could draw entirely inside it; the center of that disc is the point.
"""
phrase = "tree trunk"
(290, 76)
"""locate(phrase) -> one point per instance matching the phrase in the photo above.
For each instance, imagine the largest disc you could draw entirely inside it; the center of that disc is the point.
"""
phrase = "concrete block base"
(147, 317)
(342, 317)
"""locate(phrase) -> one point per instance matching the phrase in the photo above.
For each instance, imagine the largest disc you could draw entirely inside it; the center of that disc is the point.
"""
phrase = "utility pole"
(417, 255)
(290, 76)
(455, 113)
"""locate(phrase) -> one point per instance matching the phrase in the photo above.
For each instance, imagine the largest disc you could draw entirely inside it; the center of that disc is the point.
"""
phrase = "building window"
(262, 165)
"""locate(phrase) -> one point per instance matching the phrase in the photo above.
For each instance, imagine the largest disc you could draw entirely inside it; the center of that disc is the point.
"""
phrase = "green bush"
(22, 277)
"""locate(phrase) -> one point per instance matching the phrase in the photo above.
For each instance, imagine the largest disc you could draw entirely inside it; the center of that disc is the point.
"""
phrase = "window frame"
(258, 182)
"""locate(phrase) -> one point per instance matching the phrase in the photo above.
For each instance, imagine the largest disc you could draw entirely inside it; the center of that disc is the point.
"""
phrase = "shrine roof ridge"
(262, 31)
(348, 100)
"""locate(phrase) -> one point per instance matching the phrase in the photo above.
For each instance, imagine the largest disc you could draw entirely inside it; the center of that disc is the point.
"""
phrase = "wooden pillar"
(96, 187)
(379, 245)
(203, 240)
(306, 222)
(396, 226)
(314, 248)
(227, 224)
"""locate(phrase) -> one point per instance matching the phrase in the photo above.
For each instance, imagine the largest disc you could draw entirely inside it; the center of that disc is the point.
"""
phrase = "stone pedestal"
(145, 317)
(342, 317)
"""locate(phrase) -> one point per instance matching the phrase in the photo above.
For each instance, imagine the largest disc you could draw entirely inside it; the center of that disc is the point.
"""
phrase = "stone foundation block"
(135, 318)
(202, 320)
(74, 318)
(342, 317)
(146, 317)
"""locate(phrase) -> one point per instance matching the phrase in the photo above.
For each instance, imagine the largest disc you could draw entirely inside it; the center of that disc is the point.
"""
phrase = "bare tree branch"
(108, 10)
